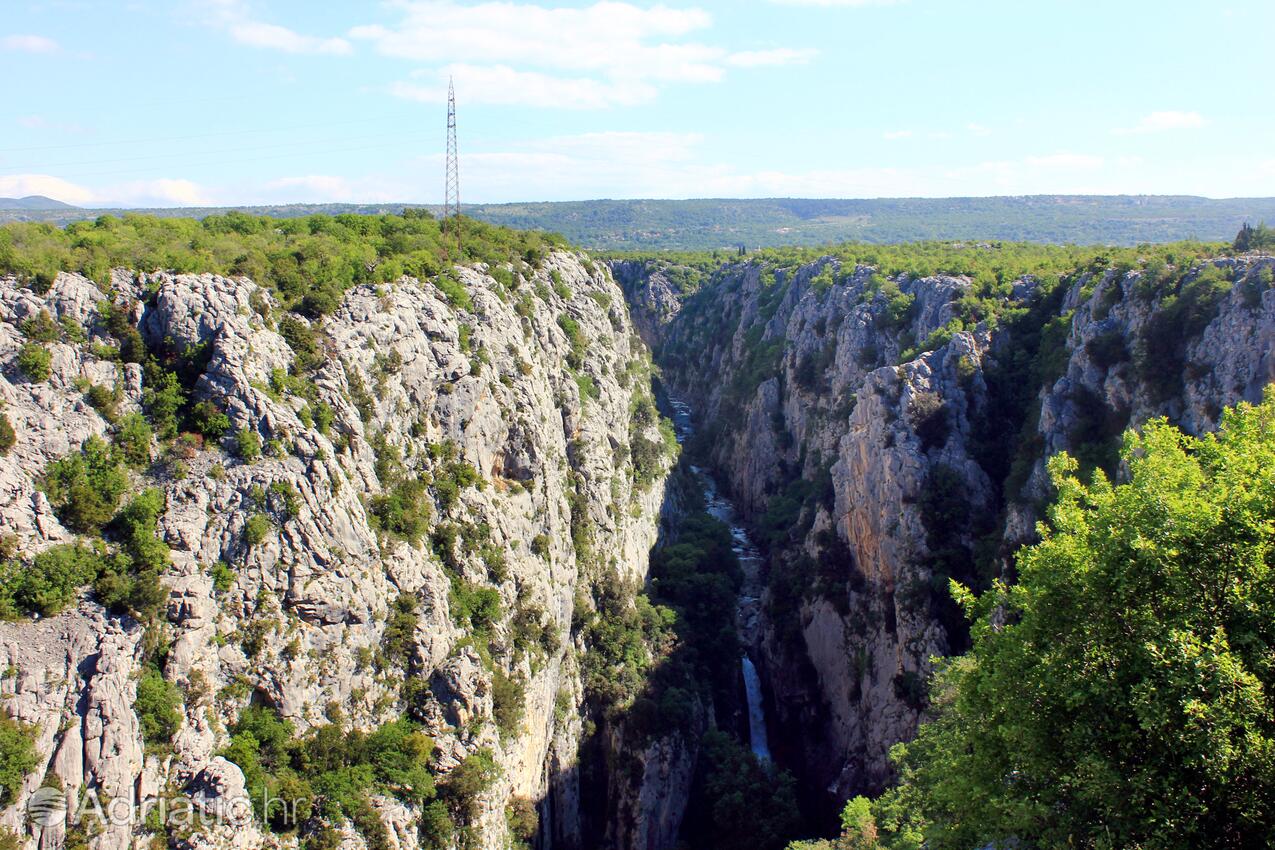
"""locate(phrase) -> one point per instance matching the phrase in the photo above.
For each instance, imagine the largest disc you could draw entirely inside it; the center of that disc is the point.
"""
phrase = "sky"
(221, 102)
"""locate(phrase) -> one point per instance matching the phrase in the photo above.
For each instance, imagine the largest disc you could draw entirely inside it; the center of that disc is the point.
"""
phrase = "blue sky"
(269, 101)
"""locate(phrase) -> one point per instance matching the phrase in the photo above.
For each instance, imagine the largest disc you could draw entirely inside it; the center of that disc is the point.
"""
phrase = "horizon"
(268, 102)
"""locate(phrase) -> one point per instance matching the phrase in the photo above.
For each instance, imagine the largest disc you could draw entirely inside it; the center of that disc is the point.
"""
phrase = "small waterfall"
(748, 606)
(756, 712)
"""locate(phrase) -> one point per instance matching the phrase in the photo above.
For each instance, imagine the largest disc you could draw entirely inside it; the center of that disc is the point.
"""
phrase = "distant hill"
(654, 225)
(33, 202)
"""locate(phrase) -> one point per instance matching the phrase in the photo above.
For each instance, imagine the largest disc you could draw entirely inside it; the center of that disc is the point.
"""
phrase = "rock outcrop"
(876, 470)
(512, 402)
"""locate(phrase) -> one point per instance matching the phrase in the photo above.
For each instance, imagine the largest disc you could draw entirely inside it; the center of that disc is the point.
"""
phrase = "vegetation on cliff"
(306, 262)
(1119, 695)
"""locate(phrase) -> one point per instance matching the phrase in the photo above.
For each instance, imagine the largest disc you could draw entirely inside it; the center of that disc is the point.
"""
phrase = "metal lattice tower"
(451, 202)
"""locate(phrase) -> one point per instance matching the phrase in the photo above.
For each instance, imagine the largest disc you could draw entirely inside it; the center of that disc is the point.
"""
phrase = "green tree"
(17, 756)
(1120, 694)
(158, 708)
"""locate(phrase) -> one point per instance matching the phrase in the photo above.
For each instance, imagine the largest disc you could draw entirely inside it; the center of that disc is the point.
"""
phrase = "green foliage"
(17, 756)
(8, 436)
(1140, 634)
(454, 291)
(129, 581)
(256, 529)
(575, 338)
(41, 328)
(158, 708)
(1259, 238)
(467, 782)
(84, 488)
(737, 802)
(50, 582)
(223, 576)
(398, 641)
(132, 440)
(332, 769)
(306, 263)
(248, 445)
(509, 702)
(1182, 315)
(403, 510)
(207, 419)
(35, 361)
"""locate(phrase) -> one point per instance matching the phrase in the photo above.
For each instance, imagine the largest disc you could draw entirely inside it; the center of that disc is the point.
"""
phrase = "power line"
(451, 194)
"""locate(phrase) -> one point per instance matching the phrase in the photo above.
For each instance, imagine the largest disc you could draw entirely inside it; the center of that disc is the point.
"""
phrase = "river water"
(749, 602)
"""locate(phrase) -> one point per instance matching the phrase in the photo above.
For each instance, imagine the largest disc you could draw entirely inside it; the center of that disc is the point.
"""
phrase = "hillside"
(664, 225)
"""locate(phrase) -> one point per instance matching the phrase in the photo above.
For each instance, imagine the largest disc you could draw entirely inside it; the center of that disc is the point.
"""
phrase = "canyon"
(860, 435)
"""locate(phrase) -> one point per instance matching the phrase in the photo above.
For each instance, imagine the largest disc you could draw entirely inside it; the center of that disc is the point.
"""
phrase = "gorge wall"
(884, 434)
(386, 523)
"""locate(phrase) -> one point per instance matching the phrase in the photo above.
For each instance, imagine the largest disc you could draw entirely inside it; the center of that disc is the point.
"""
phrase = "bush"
(41, 328)
(337, 767)
(35, 361)
(248, 445)
(84, 488)
(8, 437)
(133, 440)
(207, 419)
(158, 708)
(256, 529)
(53, 579)
(508, 697)
(17, 757)
(223, 577)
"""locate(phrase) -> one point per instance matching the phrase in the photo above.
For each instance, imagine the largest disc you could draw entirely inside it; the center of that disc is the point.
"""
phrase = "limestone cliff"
(508, 402)
(875, 470)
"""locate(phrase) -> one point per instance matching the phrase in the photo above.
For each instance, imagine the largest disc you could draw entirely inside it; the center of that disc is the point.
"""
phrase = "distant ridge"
(33, 202)
(663, 225)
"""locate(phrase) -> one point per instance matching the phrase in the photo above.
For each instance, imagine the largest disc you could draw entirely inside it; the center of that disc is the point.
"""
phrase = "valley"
(518, 546)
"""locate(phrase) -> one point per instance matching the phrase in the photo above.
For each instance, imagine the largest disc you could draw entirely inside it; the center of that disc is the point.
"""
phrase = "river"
(748, 605)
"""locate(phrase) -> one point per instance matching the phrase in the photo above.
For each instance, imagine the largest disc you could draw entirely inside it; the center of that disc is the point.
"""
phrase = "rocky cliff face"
(511, 404)
(876, 470)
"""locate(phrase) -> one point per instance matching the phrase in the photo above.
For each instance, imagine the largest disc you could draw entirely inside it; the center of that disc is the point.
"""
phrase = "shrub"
(508, 698)
(207, 419)
(133, 440)
(8, 437)
(35, 361)
(53, 579)
(17, 757)
(399, 639)
(84, 488)
(248, 445)
(223, 576)
(256, 529)
(40, 328)
(157, 707)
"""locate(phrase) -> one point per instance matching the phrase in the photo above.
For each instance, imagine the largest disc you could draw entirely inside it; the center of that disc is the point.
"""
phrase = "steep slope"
(887, 433)
(376, 522)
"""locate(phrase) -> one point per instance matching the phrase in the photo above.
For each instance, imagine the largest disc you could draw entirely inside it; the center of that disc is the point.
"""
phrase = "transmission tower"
(451, 208)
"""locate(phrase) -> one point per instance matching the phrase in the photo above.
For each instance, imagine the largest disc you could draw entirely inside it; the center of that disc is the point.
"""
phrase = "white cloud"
(29, 44)
(771, 58)
(978, 129)
(897, 134)
(502, 85)
(1159, 122)
(604, 54)
(236, 19)
(166, 192)
(837, 2)
(21, 185)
